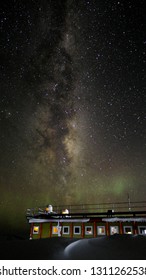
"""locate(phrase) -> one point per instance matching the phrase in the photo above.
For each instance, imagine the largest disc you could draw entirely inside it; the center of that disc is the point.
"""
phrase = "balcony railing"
(129, 206)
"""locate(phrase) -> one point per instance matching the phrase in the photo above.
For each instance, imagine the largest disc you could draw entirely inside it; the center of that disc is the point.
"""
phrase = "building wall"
(46, 228)
(86, 230)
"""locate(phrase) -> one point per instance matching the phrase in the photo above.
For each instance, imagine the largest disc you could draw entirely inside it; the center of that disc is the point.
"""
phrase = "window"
(36, 230)
(65, 229)
(101, 230)
(77, 229)
(114, 230)
(128, 230)
(142, 229)
(88, 230)
(55, 230)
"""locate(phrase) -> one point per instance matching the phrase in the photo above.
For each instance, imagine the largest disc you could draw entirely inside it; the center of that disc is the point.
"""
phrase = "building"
(87, 221)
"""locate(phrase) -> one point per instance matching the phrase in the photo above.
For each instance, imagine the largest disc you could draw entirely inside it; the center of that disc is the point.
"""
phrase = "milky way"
(72, 110)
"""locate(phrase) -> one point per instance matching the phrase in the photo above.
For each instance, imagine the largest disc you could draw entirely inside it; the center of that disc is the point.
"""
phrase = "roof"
(125, 219)
(33, 220)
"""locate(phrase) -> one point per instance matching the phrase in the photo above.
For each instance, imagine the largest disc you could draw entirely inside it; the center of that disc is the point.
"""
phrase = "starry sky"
(72, 103)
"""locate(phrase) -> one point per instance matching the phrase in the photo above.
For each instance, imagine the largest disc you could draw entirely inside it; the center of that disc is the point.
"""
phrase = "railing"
(101, 207)
(96, 208)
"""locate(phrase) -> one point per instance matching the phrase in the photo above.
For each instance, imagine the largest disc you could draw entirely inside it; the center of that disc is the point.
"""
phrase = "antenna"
(129, 203)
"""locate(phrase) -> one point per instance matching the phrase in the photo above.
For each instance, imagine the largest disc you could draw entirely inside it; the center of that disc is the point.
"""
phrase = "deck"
(129, 209)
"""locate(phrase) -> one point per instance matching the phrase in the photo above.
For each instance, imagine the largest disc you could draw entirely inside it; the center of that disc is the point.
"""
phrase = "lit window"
(88, 230)
(142, 229)
(101, 230)
(128, 230)
(65, 229)
(77, 230)
(114, 230)
(36, 230)
(54, 230)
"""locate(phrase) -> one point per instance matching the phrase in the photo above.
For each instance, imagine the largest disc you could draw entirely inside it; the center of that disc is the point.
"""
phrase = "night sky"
(72, 104)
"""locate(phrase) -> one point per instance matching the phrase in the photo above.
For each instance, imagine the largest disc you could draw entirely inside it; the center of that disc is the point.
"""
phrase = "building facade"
(48, 224)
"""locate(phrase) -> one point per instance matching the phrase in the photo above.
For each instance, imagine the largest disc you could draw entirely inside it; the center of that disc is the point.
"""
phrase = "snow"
(116, 219)
(33, 220)
(120, 247)
(108, 248)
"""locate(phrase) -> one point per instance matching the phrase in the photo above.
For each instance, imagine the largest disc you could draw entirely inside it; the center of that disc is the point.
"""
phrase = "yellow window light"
(36, 229)
(55, 230)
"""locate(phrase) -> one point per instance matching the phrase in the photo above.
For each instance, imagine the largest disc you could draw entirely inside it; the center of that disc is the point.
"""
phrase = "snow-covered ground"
(125, 247)
(108, 248)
